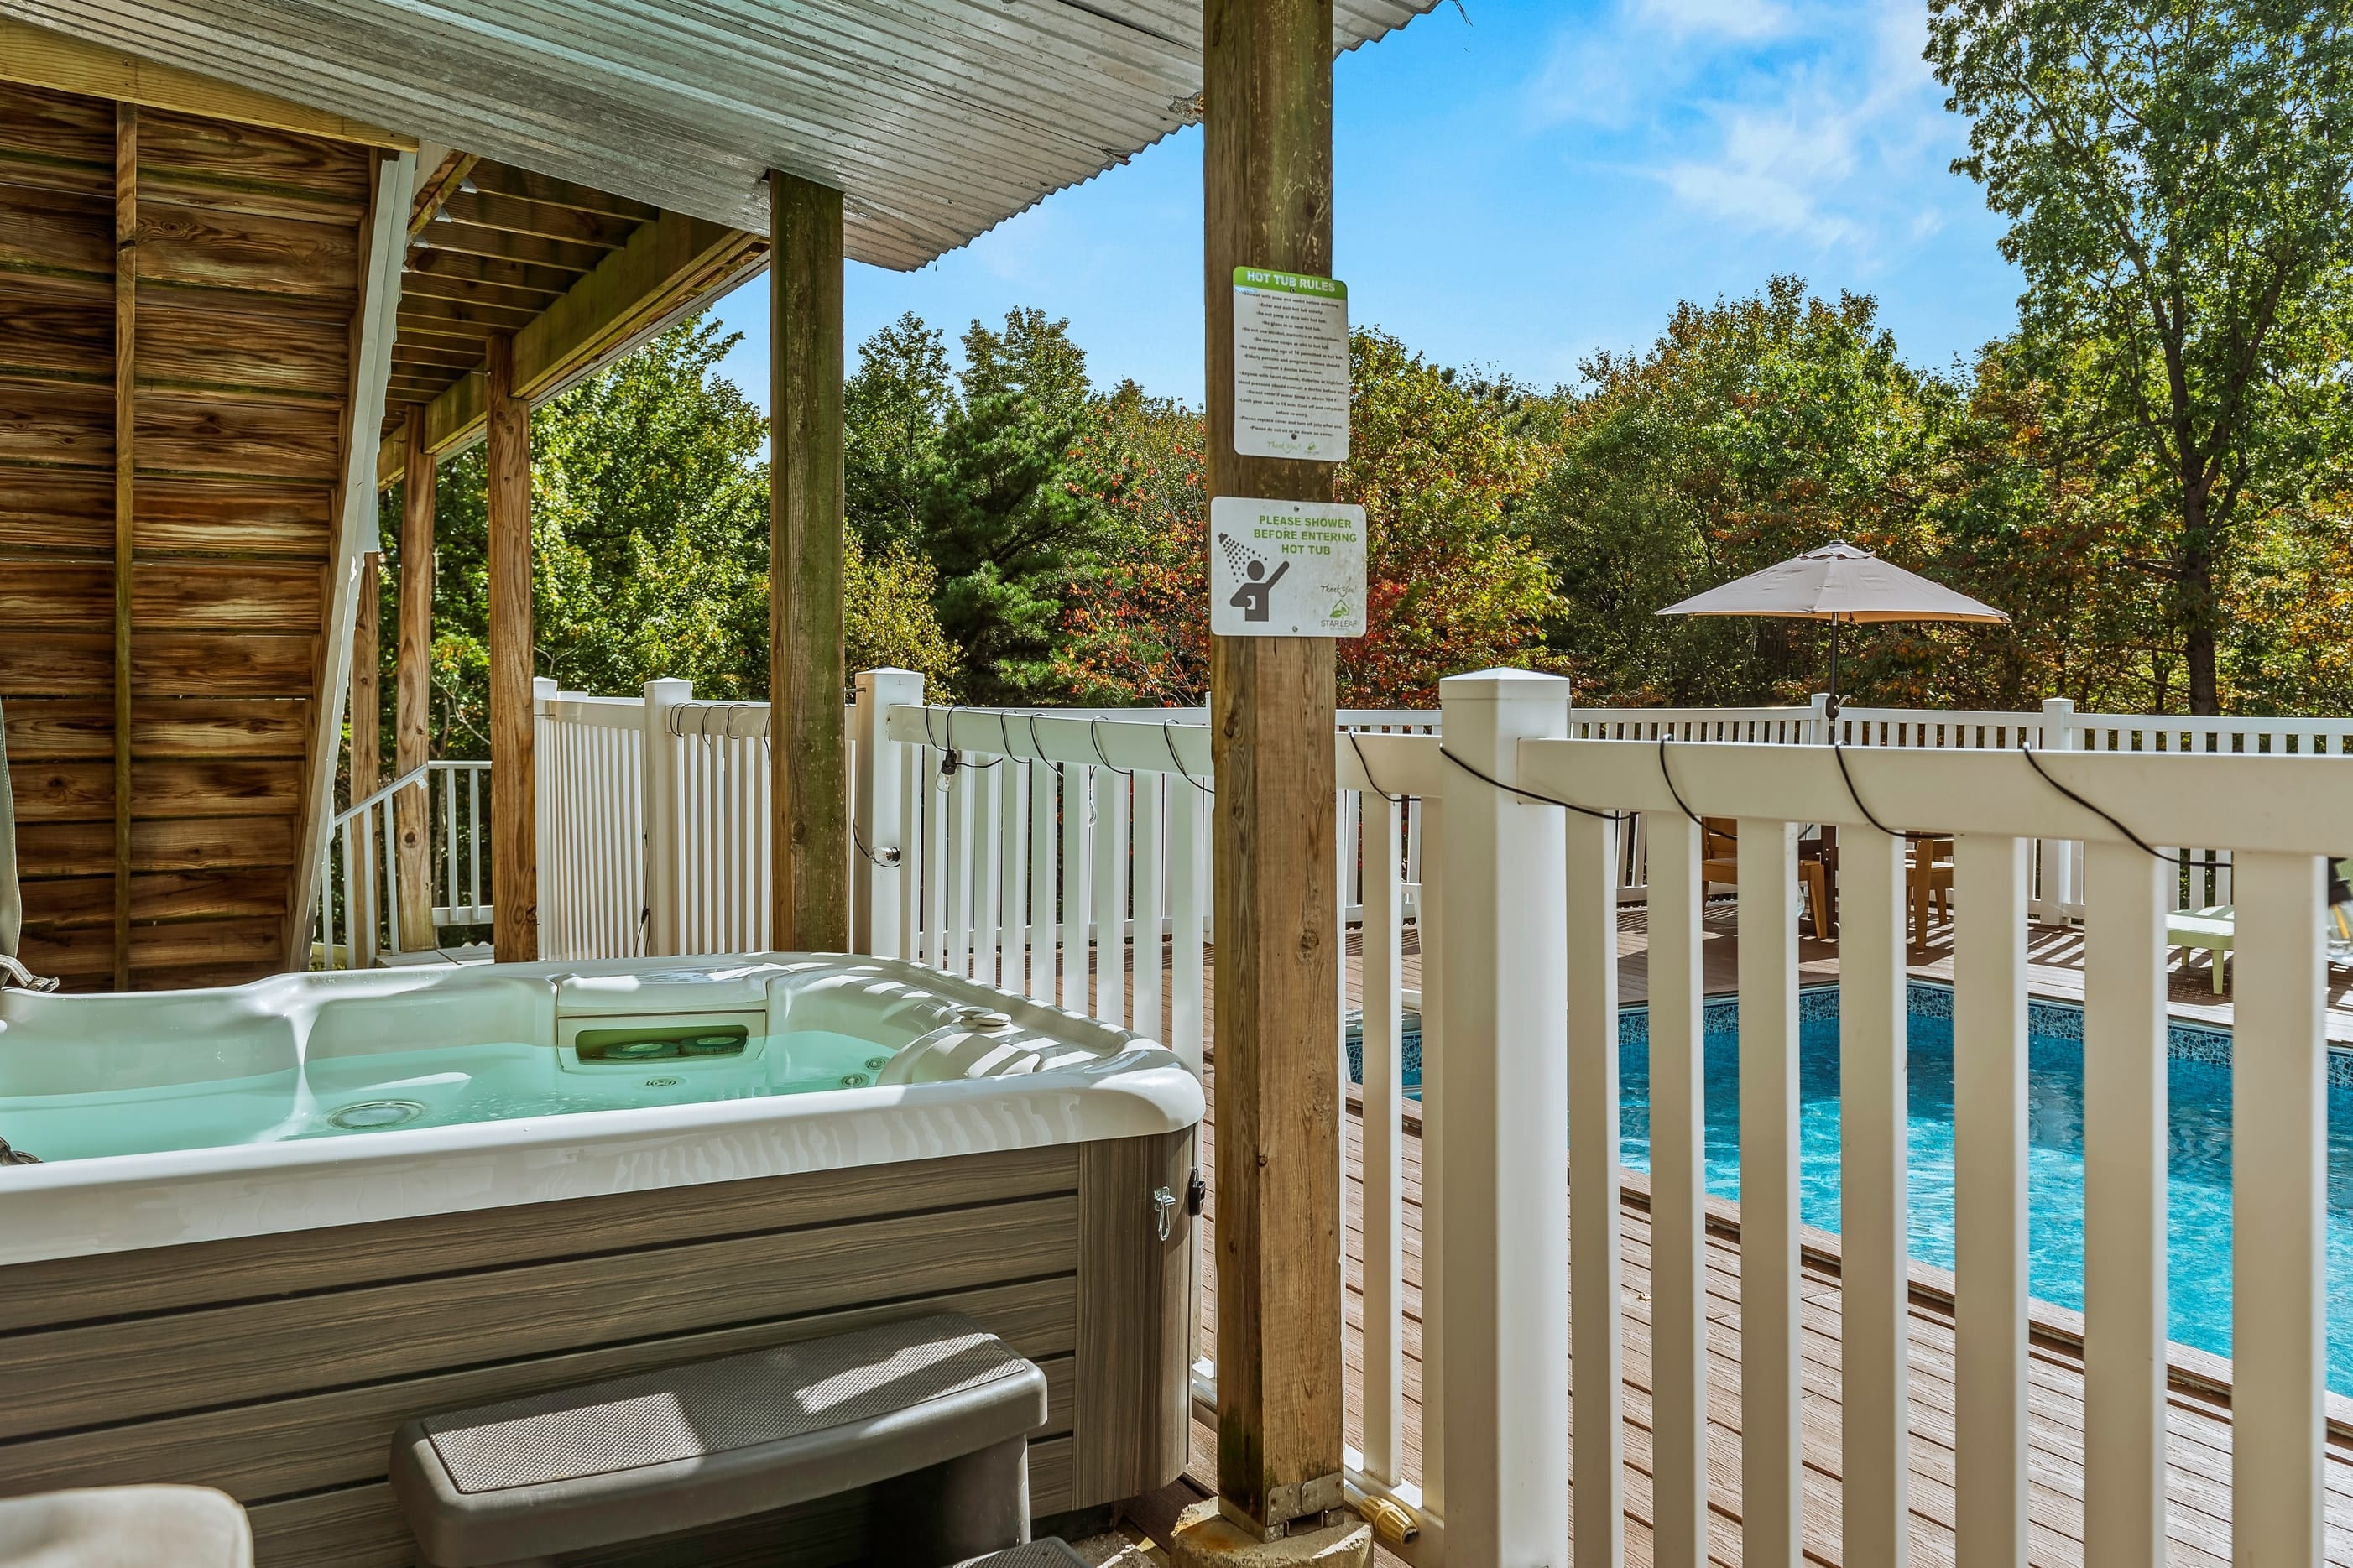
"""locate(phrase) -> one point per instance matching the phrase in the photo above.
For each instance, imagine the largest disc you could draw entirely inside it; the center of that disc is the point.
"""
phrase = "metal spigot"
(23, 978)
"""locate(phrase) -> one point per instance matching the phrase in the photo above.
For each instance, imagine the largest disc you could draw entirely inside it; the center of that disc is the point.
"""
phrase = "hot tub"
(272, 1222)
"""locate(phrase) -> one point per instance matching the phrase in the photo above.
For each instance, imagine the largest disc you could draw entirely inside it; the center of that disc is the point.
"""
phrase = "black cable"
(1529, 793)
(1038, 748)
(1358, 746)
(1838, 751)
(2182, 859)
(1096, 742)
(1169, 741)
(1669, 777)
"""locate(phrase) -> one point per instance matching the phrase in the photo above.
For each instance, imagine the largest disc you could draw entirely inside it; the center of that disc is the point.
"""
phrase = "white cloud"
(1814, 118)
(1741, 19)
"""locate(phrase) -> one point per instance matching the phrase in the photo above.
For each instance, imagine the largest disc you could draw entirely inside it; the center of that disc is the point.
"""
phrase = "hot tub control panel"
(605, 1042)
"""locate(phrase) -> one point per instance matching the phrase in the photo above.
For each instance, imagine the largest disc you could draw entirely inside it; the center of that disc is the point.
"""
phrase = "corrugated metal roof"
(938, 119)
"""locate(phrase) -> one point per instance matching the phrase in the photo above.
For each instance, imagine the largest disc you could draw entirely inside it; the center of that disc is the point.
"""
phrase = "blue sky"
(1519, 188)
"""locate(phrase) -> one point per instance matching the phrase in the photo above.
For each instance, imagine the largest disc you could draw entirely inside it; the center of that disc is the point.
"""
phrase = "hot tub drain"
(373, 1115)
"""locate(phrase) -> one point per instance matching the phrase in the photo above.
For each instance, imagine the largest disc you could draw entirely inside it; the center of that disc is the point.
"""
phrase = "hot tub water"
(352, 1096)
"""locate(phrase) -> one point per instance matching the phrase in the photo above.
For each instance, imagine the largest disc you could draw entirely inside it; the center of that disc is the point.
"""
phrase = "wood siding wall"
(277, 1368)
(247, 245)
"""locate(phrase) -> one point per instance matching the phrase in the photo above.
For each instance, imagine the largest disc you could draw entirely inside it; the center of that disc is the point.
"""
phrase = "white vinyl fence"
(1055, 837)
(1058, 837)
(654, 809)
(1527, 1076)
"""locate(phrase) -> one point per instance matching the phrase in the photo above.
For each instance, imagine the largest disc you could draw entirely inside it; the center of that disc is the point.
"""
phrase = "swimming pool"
(2199, 1164)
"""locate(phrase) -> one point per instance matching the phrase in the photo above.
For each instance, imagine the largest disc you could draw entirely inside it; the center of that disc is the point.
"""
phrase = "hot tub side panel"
(277, 1367)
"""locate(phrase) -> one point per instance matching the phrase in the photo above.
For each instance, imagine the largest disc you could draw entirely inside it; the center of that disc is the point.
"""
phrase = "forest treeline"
(2148, 472)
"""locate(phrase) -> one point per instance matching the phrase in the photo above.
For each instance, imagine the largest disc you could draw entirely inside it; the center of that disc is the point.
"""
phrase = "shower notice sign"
(1291, 365)
(1286, 568)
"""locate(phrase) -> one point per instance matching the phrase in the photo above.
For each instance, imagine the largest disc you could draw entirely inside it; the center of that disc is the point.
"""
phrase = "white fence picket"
(1874, 1279)
(2279, 1239)
(1678, 1074)
(1597, 1348)
(2125, 1150)
(1990, 1200)
(1770, 1494)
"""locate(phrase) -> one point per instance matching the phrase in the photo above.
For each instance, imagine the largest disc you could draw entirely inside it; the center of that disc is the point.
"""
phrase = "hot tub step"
(934, 1412)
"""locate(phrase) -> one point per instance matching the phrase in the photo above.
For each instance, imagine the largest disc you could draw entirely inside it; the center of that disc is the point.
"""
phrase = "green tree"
(1753, 430)
(649, 514)
(1440, 464)
(1011, 509)
(2176, 178)
(893, 407)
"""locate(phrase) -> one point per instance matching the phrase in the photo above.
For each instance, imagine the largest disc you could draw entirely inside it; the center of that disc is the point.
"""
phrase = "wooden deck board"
(2198, 1430)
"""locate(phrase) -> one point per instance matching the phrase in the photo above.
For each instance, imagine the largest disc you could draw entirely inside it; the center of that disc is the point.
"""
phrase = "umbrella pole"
(1833, 706)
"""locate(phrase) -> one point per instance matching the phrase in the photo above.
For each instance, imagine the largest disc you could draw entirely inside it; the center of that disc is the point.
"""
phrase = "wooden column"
(514, 791)
(1268, 191)
(126, 426)
(809, 893)
(368, 680)
(363, 878)
(412, 817)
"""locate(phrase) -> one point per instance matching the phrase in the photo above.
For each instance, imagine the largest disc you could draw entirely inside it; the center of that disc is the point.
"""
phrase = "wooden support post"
(514, 790)
(1267, 75)
(126, 424)
(363, 875)
(412, 810)
(368, 680)
(808, 791)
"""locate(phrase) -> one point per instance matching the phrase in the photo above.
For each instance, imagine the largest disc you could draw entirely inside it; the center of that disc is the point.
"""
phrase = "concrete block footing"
(1205, 1539)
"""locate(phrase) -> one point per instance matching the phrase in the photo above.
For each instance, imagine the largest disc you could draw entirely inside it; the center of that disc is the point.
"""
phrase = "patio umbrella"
(1837, 584)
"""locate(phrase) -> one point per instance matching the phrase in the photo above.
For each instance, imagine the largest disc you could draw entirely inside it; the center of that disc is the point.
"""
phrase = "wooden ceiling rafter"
(574, 276)
(507, 180)
(515, 215)
(503, 245)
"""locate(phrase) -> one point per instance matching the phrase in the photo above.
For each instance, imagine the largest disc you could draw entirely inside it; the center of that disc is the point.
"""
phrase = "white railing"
(461, 897)
(1048, 842)
(589, 755)
(1531, 1054)
(1058, 845)
(359, 890)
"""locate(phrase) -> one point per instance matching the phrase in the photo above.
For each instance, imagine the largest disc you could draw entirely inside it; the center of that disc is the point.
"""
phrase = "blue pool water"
(2199, 1191)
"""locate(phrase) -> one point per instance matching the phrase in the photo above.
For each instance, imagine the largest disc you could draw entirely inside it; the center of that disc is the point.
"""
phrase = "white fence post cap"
(1503, 686)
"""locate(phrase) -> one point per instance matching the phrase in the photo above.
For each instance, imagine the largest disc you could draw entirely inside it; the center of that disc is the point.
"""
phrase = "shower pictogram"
(1253, 596)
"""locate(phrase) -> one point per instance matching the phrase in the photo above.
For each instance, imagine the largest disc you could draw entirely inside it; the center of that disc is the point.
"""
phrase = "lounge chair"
(2212, 929)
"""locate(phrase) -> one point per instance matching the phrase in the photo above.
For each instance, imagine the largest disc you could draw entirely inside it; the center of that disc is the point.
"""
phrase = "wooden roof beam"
(507, 180)
(515, 215)
(498, 245)
(36, 57)
(666, 267)
(428, 269)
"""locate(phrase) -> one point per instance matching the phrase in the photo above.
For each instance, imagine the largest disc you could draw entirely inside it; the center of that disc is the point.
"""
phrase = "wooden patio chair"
(1816, 870)
(1929, 877)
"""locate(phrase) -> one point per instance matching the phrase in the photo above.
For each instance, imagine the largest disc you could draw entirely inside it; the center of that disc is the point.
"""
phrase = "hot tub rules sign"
(1283, 568)
(1291, 365)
